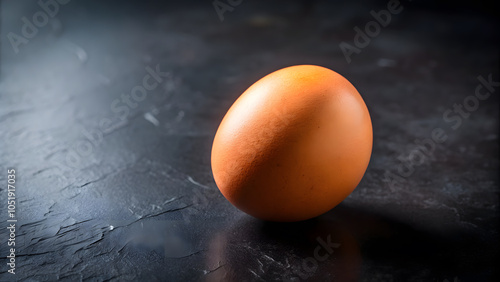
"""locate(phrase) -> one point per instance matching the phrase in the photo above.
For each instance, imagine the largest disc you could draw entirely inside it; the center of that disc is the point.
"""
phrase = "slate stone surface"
(114, 188)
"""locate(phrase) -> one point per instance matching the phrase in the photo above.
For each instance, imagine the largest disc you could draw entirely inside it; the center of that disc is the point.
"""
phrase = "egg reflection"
(313, 250)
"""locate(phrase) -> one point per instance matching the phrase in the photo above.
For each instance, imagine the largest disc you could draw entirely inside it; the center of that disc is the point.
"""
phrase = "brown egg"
(293, 145)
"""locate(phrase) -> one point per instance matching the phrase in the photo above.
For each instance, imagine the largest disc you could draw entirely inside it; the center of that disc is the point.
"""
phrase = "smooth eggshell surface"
(293, 145)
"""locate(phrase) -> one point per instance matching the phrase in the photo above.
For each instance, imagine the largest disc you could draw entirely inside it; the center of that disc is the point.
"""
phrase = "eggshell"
(293, 145)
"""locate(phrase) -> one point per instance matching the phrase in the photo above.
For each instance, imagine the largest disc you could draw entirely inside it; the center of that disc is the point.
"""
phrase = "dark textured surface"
(139, 201)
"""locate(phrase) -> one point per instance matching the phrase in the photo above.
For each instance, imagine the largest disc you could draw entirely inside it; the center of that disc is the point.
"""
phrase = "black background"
(138, 201)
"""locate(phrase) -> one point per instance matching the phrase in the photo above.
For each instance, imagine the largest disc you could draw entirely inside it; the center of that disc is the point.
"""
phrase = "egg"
(293, 145)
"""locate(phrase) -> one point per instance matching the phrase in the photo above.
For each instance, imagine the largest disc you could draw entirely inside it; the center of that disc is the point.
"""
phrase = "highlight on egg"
(294, 145)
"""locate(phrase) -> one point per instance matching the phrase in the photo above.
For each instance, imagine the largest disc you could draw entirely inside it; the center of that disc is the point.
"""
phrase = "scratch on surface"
(106, 252)
(71, 225)
(102, 177)
(84, 241)
(149, 117)
(121, 249)
(191, 254)
(77, 264)
(164, 212)
(170, 200)
(206, 272)
(34, 254)
(269, 258)
(256, 275)
(153, 215)
(34, 223)
(44, 169)
(74, 196)
(261, 266)
(99, 179)
(27, 200)
(50, 209)
(197, 183)
(155, 207)
(95, 242)
(79, 52)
